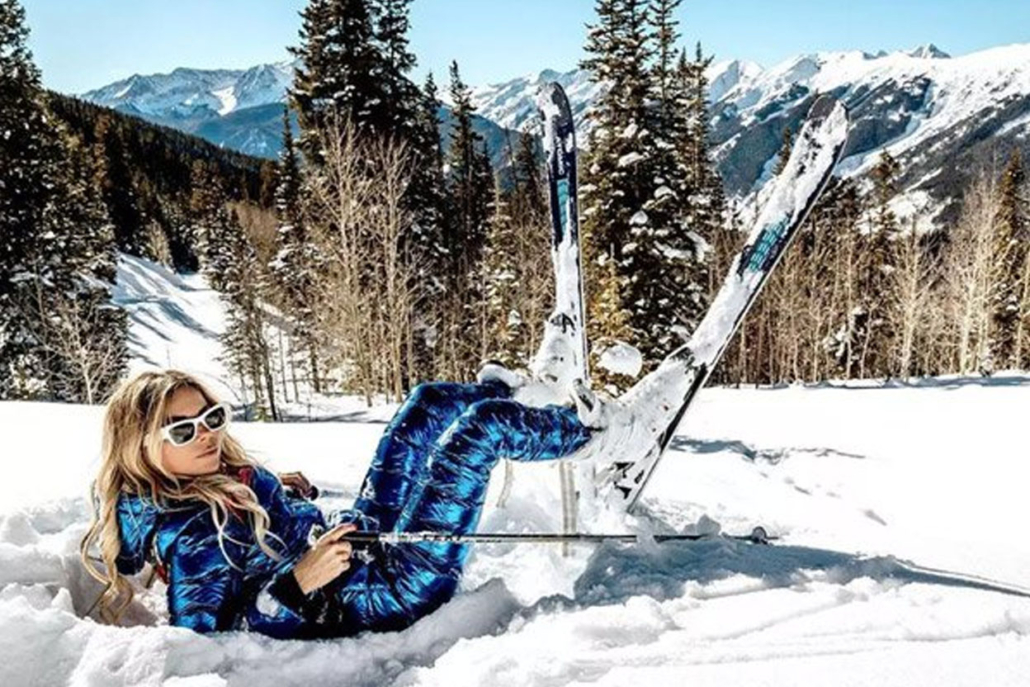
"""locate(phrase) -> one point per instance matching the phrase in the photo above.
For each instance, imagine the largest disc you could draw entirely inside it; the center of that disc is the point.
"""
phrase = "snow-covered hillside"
(175, 320)
(858, 480)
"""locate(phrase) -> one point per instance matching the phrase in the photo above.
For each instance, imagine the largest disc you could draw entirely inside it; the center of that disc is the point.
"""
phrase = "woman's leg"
(403, 451)
(407, 581)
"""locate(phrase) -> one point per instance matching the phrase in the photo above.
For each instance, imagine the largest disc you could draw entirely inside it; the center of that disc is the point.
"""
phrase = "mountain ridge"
(942, 116)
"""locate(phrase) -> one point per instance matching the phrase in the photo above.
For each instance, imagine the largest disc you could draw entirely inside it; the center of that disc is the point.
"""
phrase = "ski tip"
(553, 103)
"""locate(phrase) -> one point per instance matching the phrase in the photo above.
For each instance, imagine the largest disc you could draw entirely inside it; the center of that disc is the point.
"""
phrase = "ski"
(660, 400)
(568, 319)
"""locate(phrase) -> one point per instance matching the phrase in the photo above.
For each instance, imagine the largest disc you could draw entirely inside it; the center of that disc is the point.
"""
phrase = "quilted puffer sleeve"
(203, 588)
(137, 525)
(280, 608)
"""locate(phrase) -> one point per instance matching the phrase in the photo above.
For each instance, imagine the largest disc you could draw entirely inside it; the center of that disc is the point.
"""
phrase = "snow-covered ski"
(657, 403)
(565, 331)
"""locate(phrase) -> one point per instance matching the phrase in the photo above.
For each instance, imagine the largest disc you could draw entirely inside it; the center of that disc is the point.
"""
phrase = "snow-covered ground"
(858, 480)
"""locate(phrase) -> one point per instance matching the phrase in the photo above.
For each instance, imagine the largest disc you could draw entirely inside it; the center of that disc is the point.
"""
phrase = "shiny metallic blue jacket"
(430, 473)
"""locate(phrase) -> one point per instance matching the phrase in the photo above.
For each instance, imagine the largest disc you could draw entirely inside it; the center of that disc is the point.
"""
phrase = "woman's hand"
(298, 481)
(326, 560)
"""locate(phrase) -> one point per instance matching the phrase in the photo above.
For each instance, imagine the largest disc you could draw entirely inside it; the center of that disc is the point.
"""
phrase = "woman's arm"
(204, 591)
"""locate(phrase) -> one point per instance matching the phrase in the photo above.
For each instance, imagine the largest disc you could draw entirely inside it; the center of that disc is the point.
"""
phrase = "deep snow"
(857, 479)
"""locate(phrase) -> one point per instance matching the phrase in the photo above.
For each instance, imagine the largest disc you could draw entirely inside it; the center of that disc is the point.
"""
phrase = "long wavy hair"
(131, 462)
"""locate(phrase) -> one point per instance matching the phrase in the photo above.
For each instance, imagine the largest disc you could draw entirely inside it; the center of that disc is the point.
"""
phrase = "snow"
(858, 479)
(228, 99)
(827, 602)
(179, 93)
(630, 159)
(621, 358)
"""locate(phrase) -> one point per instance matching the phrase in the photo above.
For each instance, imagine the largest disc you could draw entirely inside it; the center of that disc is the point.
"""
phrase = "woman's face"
(203, 455)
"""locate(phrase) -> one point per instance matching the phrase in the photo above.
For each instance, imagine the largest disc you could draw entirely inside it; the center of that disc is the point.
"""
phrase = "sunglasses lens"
(182, 434)
(215, 419)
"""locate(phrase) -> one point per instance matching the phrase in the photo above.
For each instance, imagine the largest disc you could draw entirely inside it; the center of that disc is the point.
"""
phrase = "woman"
(237, 552)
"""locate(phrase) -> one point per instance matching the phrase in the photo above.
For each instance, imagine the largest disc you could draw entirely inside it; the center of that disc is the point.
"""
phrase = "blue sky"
(84, 44)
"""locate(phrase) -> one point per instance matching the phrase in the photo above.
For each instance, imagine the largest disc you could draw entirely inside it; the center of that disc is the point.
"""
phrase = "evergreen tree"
(207, 199)
(875, 263)
(530, 203)
(232, 267)
(342, 70)
(296, 261)
(633, 214)
(471, 191)
(670, 105)
(664, 72)
(1013, 238)
(56, 246)
(702, 185)
(427, 189)
(885, 187)
(470, 182)
(119, 190)
(402, 96)
(502, 286)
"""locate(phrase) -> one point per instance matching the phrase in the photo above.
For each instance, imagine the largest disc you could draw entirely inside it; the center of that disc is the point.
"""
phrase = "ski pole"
(757, 536)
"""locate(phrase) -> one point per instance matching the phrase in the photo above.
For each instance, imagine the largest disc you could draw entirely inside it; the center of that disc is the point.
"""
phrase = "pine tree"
(296, 260)
(471, 192)
(232, 266)
(502, 285)
(342, 71)
(875, 264)
(633, 214)
(530, 205)
(401, 96)
(56, 246)
(1013, 236)
(427, 189)
(119, 190)
(702, 185)
(470, 180)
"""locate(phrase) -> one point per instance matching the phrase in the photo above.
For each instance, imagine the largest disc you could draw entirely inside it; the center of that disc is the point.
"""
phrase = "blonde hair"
(131, 462)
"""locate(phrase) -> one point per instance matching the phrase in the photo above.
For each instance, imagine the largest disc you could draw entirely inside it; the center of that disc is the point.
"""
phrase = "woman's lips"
(205, 454)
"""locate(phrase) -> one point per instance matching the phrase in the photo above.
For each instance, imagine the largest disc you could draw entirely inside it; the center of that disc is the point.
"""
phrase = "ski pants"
(430, 473)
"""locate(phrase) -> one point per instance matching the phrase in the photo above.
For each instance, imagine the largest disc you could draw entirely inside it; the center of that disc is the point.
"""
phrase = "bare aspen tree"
(335, 217)
(396, 287)
(369, 287)
(71, 332)
(971, 273)
(910, 287)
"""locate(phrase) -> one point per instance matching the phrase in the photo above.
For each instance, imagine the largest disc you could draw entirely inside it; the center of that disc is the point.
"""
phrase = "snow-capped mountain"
(187, 93)
(942, 117)
(238, 109)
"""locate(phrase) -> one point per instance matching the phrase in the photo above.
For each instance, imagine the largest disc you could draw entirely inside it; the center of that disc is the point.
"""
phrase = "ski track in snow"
(860, 480)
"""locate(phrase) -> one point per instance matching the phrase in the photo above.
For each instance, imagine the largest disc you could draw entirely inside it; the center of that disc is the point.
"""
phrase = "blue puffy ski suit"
(429, 473)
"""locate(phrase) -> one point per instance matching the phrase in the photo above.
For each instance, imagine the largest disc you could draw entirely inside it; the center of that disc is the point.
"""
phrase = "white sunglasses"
(183, 432)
